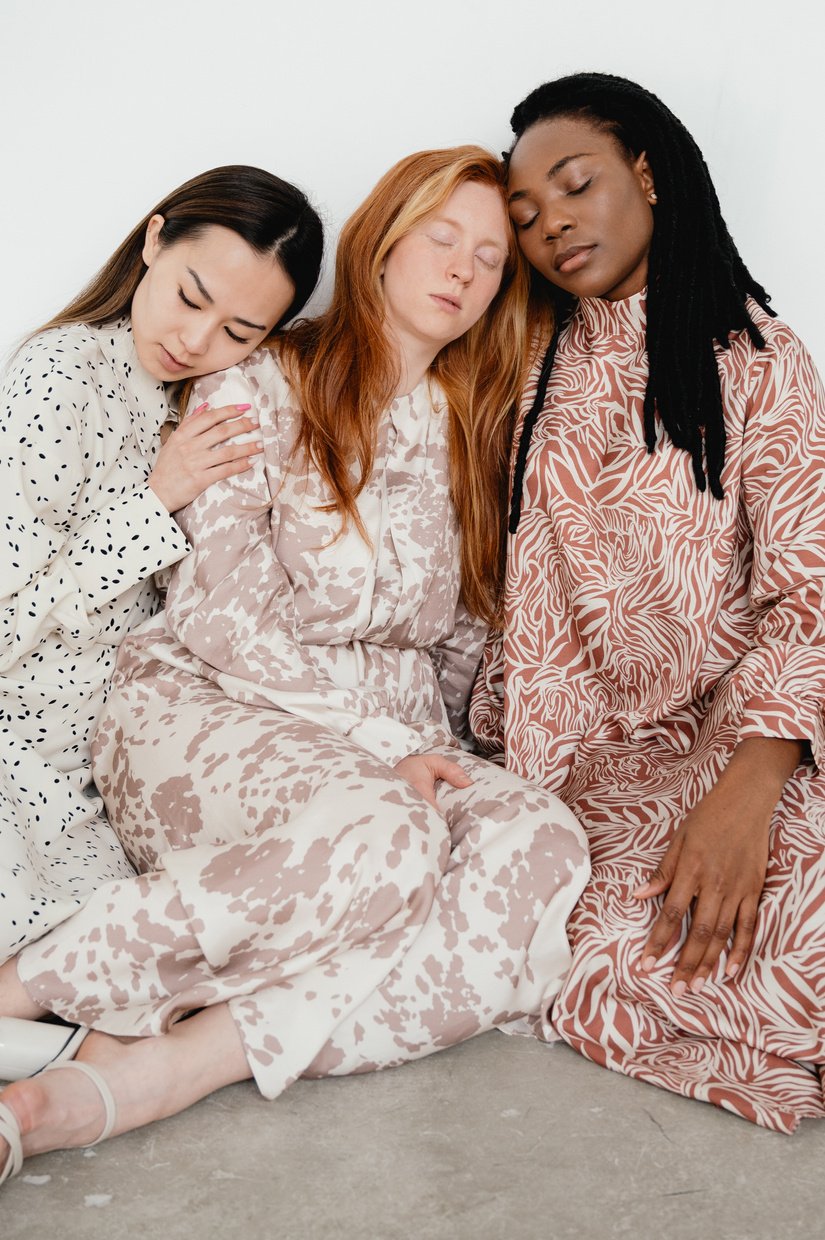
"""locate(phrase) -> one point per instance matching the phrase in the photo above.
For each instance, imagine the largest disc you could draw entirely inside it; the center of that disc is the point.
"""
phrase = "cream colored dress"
(82, 534)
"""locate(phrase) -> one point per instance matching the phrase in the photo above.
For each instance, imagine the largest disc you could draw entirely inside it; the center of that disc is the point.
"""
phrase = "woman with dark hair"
(88, 492)
(662, 668)
(327, 881)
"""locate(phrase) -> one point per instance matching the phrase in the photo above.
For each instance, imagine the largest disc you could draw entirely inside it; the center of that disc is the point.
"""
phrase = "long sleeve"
(232, 604)
(782, 680)
(456, 661)
(76, 533)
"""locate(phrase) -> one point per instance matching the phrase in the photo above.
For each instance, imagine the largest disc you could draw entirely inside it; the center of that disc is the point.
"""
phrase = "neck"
(415, 357)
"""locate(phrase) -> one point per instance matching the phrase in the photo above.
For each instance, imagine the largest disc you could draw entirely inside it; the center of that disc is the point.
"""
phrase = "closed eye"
(523, 225)
(571, 193)
(237, 339)
(186, 301)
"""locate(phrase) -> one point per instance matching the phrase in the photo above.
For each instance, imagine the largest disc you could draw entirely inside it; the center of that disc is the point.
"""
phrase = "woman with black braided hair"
(663, 664)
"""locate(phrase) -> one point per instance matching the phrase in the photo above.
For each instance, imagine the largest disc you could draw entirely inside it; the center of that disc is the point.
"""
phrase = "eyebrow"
(258, 327)
(554, 171)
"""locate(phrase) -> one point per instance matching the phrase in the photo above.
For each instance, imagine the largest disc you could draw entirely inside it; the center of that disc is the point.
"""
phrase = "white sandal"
(29, 1046)
(10, 1128)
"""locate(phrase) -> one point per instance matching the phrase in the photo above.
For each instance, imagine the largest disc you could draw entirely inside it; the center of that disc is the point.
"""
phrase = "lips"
(171, 362)
(572, 258)
(446, 301)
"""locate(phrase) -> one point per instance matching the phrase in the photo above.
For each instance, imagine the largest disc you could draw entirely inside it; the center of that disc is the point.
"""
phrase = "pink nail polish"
(679, 989)
(697, 984)
(242, 408)
(732, 968)
(200, 408)
(648, 963)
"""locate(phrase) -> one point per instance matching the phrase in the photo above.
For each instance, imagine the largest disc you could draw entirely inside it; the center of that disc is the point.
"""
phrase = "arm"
(719, 855)
(55, 572)
(231, 602)
(456, 661)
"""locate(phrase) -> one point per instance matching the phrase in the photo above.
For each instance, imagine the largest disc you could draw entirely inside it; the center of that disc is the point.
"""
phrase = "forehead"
(547, 143)
(474, 205)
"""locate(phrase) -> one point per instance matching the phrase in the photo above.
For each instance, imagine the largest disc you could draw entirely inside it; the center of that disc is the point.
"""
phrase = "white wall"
(105, 106)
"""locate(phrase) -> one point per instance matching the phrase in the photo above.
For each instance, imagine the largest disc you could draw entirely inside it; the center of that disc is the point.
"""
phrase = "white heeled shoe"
(10, 1128)
(29, 1046)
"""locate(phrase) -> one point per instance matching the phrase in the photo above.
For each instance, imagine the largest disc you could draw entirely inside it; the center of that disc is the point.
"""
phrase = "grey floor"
(501, 1137)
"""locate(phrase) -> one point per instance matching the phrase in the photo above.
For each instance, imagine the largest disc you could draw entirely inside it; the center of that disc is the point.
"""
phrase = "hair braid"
(697, 282)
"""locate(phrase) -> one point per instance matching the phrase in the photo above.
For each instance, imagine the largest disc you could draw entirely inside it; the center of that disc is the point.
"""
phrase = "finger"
(661, 877)
(208, 418)
(450, 772)
(228, 470)
(721, 938)
(199, 409)
(743, 935)
(701, 940)
(214, 436)
(668, 925)
(427, 790)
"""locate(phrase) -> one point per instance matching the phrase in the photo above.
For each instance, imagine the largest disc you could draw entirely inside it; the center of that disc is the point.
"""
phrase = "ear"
(644, 172)
(151, 243)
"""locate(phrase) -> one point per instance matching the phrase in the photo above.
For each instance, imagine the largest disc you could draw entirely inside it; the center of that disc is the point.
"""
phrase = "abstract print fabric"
(247, 754)
(650, 629)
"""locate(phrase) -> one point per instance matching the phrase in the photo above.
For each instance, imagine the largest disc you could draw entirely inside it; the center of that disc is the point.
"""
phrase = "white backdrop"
(106, 106)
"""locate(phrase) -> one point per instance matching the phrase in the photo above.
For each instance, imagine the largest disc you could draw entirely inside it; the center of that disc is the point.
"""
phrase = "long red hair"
(346, 372)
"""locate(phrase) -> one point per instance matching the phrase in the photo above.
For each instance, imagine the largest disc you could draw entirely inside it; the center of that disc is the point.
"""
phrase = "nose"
(557, 218)
(461, 265)
(195, 336)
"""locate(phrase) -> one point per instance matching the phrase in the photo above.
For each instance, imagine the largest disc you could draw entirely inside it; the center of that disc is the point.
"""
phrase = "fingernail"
(242, 408)
(731, 968)
(679, 989)
(648, 963)
(697, 984)
(637, 891)
(200, 408)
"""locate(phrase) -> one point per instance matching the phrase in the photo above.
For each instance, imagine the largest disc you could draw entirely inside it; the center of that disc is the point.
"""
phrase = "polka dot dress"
(80, 536)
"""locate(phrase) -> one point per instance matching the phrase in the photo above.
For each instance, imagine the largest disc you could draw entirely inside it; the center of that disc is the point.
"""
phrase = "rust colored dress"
(650, 628)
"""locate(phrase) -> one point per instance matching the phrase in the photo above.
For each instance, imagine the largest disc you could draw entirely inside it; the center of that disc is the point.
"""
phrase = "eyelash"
(484, 263)
(193, 306)
(571, 193)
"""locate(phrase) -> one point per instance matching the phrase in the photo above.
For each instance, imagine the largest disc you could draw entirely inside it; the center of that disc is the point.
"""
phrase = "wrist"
(764, 764)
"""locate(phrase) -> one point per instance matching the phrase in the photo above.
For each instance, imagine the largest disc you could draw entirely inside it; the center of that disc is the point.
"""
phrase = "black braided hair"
(697, 282)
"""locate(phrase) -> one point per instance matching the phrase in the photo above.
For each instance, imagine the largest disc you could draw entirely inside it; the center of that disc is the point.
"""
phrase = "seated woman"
(663, 665)
(88, 491)
(328, 881)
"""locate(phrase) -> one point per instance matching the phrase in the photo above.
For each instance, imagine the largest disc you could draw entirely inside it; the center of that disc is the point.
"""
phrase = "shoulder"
(259, 379)
(783, 361)
(63, 355)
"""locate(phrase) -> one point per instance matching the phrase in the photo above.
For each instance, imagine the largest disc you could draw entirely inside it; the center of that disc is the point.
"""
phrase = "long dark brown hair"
(273, 217)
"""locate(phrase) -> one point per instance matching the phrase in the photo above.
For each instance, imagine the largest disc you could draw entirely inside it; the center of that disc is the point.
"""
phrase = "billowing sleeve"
(231, 601)
(782, 680)
(57, 570)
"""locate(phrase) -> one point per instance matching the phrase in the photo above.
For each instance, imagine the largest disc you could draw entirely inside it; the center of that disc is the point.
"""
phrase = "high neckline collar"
(602, 318)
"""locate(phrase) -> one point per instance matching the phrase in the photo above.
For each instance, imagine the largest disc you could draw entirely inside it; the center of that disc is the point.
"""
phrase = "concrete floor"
(500, 1138)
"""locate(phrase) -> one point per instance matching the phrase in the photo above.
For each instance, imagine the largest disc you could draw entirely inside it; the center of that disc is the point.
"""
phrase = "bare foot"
(150, 1078)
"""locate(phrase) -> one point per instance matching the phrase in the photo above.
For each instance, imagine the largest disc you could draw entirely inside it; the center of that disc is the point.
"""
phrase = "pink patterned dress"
(650, 628)
(247, 758)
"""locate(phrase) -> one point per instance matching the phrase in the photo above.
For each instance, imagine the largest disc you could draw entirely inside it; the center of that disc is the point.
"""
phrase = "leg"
(494, 947)
(150, 1079)
(318, 907)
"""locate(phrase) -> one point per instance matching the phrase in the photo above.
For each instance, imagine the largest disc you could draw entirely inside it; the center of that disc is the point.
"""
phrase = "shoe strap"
(10, 1132)
(79, 1065)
